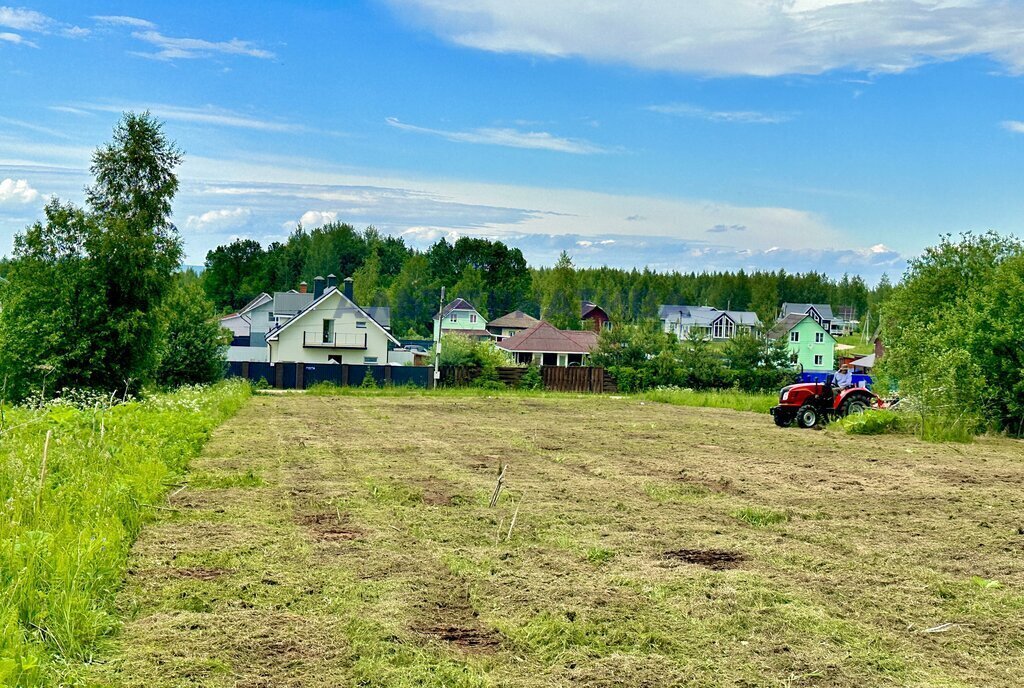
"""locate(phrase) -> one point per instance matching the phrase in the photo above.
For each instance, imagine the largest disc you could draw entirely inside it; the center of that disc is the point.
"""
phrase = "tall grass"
(713, 398)
(931, 428)
(69, 514)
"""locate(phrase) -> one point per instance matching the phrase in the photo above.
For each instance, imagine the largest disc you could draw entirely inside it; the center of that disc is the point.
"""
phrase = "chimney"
(303, 287)
(332, 280)
(348, 289)
(318, 287)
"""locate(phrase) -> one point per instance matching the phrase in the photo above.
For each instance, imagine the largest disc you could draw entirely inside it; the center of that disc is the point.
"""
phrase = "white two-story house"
(332, 328)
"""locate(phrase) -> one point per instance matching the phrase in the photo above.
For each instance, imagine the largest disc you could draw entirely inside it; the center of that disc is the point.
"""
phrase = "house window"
(369, 359)
(819, 337)
(270, 316)
(472, 317)
(718, 330)
(819, 360)
(730, 329)
(794, 336)
(454, 317)
(361, 324)
(328, 331)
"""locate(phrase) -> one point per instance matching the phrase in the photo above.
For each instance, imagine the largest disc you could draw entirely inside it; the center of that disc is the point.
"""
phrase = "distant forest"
(495, 278)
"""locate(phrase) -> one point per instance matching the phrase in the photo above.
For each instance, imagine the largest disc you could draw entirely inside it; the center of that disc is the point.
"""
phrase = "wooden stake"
(498, 486)
(513, 523)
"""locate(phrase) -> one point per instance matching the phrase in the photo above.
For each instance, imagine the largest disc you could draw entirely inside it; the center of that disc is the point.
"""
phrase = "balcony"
(316, 339)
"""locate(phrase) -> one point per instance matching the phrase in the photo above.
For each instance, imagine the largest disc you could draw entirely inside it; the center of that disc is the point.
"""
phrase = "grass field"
(348, 541)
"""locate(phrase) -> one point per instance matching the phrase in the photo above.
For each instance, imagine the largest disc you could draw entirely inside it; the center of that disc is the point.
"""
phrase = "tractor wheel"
(783, 420)
(853, 406)
(807, 416)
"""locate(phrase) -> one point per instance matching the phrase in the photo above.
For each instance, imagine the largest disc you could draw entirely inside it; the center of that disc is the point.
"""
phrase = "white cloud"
(218, 220)
(1014, 126)
(733, 116)
(170, 48)
(311, 219)
(121, 20)
(22, 19)
(16, 39)
(17, 191)
(203, 115)
(75, 32)
(512, 138)
(753, 37)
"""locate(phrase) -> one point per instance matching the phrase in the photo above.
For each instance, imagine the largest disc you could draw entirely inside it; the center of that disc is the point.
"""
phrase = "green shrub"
(531, 379)
(874, 422)
(369, 382)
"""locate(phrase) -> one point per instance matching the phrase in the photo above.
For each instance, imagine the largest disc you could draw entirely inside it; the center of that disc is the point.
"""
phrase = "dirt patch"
(437, 492)
(716, 559)
(469, 639)
(719, 484)
(329, 526)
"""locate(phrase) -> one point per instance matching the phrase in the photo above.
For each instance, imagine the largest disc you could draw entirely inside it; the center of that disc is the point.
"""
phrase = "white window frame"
(472, 317)
(794, 337)
(819, 360)
(819, 337)
(361, 324)
(730, 329)
(454, 317)
(369, 360)
(717, 330)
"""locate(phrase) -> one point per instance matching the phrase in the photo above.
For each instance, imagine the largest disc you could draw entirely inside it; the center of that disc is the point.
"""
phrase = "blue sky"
(806, 134)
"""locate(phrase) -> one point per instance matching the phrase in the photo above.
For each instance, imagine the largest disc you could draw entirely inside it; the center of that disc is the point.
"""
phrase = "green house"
(460, 317)
(811, 345)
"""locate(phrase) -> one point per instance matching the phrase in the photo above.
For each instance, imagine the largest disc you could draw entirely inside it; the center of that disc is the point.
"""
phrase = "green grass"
(71, 511)
(728, 399)
(931, 428)
(760, 517)
(714, 398)
(859, 347)
(652, 545)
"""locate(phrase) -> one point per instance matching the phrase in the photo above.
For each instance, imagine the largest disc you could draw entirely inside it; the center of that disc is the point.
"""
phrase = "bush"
(369, 382)
(194, 346)
(531, 379)
(873, 422)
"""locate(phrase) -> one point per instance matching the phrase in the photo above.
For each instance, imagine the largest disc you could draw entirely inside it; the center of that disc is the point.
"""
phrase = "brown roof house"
(545, 344)
(510, 324)
(597, 316)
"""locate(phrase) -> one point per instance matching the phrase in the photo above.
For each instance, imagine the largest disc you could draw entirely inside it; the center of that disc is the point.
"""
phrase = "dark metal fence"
(302, 375)
(556, 378)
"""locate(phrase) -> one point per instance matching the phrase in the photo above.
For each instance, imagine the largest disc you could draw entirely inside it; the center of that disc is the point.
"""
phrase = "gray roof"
(382, 314)
(784, 325)
(705, 315)
(290, 302)
(824, 310)
(458, 305)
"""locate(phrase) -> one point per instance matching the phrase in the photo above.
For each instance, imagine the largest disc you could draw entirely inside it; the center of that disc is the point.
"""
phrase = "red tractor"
(811, 403)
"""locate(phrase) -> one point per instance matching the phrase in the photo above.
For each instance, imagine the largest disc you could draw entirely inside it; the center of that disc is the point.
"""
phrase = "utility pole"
(437, 340)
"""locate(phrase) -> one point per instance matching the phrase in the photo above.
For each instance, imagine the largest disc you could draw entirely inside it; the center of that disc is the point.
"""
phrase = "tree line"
(496, 279)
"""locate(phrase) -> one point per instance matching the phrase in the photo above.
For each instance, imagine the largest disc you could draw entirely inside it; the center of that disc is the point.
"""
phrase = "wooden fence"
(556, 379)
